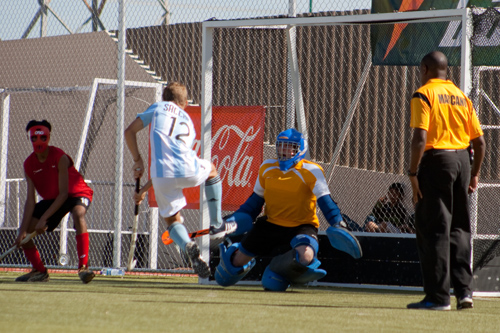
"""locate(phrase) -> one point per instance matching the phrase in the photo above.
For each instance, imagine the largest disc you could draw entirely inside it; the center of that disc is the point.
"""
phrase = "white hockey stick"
(131, 261)
(24, 241)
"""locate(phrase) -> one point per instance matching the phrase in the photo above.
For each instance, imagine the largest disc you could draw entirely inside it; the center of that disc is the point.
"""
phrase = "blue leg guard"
(226, 274)
(313, 273)
(273, 281)
(341, 239)
(305, 240)
(285, 269)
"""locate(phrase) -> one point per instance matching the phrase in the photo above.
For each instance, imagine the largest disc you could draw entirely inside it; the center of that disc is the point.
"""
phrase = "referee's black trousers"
(443, 224)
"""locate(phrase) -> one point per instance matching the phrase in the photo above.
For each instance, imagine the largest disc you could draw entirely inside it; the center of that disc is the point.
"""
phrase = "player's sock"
(213, 192)
(34, 258)
(178, 233)
(82, 248)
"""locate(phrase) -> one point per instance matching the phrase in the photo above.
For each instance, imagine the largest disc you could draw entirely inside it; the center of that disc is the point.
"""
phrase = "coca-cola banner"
(237, 152)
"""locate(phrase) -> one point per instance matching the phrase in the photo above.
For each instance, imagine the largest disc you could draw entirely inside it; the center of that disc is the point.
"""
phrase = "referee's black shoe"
(465, 302)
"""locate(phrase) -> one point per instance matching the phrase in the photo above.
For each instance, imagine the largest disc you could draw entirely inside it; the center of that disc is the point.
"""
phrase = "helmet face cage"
(286, 150)
(291, 148)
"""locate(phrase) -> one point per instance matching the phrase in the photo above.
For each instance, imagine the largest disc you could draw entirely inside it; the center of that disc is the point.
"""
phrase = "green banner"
(406, 44)
(389, 6)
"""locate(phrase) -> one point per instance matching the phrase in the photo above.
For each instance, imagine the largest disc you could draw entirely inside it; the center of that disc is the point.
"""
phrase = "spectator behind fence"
(389, 214)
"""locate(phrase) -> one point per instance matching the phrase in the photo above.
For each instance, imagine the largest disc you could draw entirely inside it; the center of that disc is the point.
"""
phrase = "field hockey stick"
(165, 238)
(24, 241)
(131, 261)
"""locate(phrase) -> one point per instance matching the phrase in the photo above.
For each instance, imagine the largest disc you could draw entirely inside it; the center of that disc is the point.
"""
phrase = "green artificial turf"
(180, 304)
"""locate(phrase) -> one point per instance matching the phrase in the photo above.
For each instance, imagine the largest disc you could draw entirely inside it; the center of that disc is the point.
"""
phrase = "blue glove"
(342, 239)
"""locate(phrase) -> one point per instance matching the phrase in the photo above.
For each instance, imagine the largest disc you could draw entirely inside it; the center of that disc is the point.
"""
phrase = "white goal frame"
(78, 159)
(63, 237)
(462, 15)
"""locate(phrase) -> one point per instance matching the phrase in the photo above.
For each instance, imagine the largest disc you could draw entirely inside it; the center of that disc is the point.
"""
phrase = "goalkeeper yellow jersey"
(291, 195)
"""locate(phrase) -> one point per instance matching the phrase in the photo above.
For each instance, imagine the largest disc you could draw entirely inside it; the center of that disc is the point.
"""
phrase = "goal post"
(355, 112)
(99, 82)
(298, 63)
(82, 124)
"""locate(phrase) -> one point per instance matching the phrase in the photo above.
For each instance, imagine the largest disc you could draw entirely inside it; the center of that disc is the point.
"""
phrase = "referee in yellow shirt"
(444, 123)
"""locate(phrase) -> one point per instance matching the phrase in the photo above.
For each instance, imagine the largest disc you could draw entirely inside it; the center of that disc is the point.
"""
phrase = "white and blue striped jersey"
(171, 138)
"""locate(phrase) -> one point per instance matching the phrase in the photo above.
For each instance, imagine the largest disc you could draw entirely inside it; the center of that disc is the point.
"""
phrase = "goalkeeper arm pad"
(330, 209)
(246, 214)
(253, 206)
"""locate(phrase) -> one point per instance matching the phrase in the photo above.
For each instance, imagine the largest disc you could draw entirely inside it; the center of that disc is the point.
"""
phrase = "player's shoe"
(200, 267)
(85, 274)
(426, 305)
(225, 229)
(465, 302)
(40, 277)
(27, 276)
(34, 276)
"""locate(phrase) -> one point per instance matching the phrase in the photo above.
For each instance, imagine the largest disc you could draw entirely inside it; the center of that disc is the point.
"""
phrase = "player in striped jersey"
(175, 166)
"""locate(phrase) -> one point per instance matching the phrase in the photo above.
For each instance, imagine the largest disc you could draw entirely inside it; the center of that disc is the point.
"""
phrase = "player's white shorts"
(168, 191)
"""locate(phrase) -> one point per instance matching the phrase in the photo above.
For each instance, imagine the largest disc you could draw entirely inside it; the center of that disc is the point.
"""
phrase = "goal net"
(84, 122)
(346, 83)
(344, 79)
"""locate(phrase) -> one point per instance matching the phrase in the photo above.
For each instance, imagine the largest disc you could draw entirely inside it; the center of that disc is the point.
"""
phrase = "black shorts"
(269, 239)
(53, 221)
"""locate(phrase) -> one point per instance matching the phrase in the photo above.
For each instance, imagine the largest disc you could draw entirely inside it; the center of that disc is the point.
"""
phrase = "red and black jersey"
(45, 176)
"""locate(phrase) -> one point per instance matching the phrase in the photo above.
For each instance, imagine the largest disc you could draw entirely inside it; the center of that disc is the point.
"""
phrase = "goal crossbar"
(384, 18)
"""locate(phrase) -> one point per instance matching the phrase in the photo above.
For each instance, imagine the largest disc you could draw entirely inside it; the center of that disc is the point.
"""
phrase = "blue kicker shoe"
(426, 305)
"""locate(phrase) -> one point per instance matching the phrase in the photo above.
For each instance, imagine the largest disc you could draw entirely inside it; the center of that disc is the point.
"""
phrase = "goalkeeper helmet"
(291, 148)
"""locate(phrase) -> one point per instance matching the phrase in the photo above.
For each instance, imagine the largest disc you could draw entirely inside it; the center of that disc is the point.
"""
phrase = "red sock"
(82, 247)
(34, 258)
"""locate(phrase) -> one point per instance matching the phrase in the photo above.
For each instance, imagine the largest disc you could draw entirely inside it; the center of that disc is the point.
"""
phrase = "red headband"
(36, 134)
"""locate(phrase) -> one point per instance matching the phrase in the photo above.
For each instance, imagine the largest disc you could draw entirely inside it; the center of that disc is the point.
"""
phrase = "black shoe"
(34, 276)
(40, 277)
(27, 276)
(465, 302)
(200, 267)
(426, 305)
(85, 274)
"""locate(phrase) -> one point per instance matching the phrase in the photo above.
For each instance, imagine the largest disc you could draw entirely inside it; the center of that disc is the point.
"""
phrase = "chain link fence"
(356, 113)
(33, 19)
(484, 95)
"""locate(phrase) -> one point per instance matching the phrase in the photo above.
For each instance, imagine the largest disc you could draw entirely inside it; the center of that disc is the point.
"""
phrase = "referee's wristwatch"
(411, 174)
